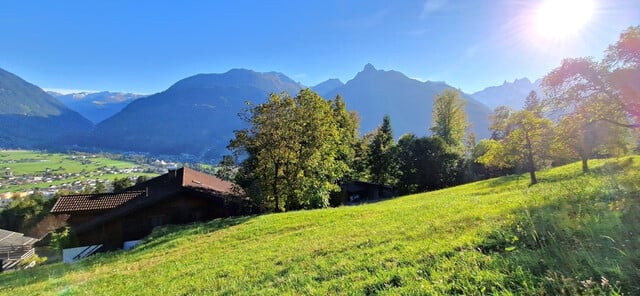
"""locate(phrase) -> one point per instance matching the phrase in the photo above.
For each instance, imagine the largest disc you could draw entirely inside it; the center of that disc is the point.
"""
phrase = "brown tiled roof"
(92, 202)
(193, 178)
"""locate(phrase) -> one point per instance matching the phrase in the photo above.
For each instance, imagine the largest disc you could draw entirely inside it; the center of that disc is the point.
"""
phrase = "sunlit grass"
(501, 236)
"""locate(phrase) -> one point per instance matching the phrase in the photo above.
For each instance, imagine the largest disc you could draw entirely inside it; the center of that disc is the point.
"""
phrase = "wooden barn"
(102, 222)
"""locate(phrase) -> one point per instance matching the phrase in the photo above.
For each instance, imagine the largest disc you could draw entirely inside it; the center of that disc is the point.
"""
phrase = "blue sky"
(145, 46)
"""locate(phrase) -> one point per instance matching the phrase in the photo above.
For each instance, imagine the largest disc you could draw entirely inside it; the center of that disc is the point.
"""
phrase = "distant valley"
(31, 118)
(96, 106)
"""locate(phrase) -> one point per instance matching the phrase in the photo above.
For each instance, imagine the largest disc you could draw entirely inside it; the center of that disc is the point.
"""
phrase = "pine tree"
(383, 167)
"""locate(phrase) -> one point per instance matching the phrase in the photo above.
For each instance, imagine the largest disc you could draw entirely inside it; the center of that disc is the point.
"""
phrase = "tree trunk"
(585, 164)
(532, 174)
(531, 165)
(275, 188)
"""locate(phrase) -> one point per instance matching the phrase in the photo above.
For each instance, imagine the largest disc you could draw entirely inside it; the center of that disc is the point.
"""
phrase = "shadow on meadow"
(585, 241)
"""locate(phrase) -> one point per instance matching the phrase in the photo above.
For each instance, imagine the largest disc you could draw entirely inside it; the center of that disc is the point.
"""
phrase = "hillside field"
(571, 234)
(24, 163)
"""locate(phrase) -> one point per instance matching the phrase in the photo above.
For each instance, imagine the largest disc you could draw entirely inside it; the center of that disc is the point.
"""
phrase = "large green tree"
(622, 59)
(526, 143)
(597, 100)
(349, 150)
(294, 150)
(426, 163)
(450, 119)
(383, 167)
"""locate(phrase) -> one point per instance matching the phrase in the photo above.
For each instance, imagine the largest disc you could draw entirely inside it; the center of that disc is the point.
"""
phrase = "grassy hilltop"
(570, 234)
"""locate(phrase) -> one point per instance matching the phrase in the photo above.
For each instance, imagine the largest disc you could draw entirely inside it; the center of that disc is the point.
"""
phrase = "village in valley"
(24, 173)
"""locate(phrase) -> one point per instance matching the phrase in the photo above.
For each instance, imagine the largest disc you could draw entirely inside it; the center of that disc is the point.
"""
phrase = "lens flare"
(559, 19)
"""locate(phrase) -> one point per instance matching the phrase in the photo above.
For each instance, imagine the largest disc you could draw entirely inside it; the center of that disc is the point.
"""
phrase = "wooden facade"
(178, 197)
(359, 191)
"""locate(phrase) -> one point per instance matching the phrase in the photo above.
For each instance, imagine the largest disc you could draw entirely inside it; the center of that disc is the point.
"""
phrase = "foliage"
(623, 61)
(577, 138)
(348, 151)
(383, 167)
(23, 214)
(63, 238)
(31, 261)
(596, 100)
(120, 184)
(500, 126)
(572, 234)
(426, 164)
(526, 141)
(99, 188)
(296, 150)
(449, 118)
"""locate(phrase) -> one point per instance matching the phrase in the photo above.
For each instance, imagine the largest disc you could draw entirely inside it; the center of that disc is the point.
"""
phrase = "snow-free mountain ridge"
(31, 118)
(96, 106)
(511, 94)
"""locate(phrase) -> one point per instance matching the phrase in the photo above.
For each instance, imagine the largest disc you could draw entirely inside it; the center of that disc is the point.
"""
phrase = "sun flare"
(560, 19)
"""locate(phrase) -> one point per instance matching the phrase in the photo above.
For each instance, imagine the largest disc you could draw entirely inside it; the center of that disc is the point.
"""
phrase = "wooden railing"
(14, 252)
(12, 255)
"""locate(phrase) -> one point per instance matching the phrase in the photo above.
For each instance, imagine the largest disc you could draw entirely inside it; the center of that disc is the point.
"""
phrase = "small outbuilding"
(359, 191)
(14, 246)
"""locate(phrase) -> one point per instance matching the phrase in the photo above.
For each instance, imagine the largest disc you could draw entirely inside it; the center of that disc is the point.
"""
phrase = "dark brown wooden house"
(178, 197)
(356, 192)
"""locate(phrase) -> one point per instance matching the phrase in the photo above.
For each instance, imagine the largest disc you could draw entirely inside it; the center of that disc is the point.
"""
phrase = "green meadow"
(33, 163)
(570, 234)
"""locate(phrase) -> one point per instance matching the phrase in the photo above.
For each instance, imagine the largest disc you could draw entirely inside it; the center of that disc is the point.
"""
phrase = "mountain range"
(197, 115)
(511, 94)
(31, 118)
(96, 106)
(375, 93)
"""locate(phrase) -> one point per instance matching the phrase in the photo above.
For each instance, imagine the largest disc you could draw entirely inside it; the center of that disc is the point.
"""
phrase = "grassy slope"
(493, 236)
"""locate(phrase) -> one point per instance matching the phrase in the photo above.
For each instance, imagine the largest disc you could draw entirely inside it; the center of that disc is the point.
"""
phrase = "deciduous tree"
(293, 153)
(449, 119)
(427, 164)
(527, 144)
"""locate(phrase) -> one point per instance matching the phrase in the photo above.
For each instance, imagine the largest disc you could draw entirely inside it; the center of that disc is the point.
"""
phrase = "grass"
(571, 234)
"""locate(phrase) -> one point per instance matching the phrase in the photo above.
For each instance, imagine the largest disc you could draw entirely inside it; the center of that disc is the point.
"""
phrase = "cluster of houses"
(74, 182)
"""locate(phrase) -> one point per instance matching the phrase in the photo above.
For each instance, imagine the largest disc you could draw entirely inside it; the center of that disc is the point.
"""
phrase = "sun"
(561, 19)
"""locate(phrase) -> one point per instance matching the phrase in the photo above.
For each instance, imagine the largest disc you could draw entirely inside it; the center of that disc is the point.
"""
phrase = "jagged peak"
(369, 67)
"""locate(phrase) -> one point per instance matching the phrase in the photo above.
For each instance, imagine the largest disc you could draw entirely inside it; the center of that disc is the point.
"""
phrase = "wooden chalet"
(177, 197)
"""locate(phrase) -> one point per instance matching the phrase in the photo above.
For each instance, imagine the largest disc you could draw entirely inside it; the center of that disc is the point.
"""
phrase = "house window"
(157, 220)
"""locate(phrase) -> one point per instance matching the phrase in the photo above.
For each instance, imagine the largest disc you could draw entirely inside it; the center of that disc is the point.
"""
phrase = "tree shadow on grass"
(574, 244)
(169, 233)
